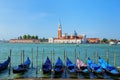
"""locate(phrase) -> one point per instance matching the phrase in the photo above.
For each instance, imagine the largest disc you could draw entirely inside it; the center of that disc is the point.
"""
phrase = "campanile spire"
(59, 31)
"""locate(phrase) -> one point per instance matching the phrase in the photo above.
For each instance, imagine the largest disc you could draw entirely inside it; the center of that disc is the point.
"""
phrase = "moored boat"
(22, 67)
(82, 67)
(95, 68)
(70, 66)
(108, 68)
(5, 64)
(47, 66)
(59, 66)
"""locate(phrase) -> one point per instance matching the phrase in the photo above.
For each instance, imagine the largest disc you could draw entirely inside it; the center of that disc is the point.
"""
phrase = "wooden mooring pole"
(115, 59)
(37, 63)
(21, 57)
(79, 55)
(96, 56)
(75, 54)
(107, 56)
(64, 57)
(53, 55)
(32, 58)
(10, 62)
(42, 56)
(86, 55)
(51, 62)
(65, 62)
(52, 59)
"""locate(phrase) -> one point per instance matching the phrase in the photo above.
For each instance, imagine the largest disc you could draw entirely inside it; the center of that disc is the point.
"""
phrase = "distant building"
(67, 38)
(93, 40)
(113, 42)
(118, 42)
(24, 41)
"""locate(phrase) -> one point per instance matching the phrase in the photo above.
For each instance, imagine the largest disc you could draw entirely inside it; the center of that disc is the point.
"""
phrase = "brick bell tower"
(59, 31)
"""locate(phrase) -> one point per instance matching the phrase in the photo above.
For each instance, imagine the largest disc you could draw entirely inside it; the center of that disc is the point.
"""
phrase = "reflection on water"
(17, 76)
(31, 73)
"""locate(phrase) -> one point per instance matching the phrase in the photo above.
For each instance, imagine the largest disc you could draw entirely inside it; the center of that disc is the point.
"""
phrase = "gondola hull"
(47, 66)
(112, 73)
(95, 68)
(58, 72)
(5, 64)
(19, 70)
(109, 69)
(46, 72)
(23, 67)
(59, 67)
(82, 67)
(71, 68)
(85, 70)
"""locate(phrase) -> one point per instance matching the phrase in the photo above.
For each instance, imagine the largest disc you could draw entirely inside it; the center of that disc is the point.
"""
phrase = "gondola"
(95, 68)
(47, 66)
(108, 68)
(22, 67)
(70, 66)
(5, 64)
(59, 67)
(82, 67)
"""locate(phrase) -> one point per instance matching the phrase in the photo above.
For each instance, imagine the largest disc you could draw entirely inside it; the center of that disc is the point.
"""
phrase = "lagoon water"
(82, 50)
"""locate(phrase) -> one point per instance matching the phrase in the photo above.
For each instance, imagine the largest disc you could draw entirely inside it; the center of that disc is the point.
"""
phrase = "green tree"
(36, 37)
(20, 37)
(33, 37)
(44, 39)
(104, 40)
(113, 40)
(28, 36)
(25, 37)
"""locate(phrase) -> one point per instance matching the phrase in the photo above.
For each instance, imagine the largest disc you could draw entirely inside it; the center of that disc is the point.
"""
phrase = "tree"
(33, 37)
(20, 37)
(104, 40)
(44, 39)
(114, 40)
(25, 37)
(28, 36)
(36, 37)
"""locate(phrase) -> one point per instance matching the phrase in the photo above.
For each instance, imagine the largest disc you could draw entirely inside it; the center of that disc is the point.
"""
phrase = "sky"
(95, 18)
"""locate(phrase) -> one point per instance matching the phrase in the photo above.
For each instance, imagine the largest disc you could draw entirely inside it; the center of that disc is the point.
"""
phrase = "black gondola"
(108, 68)
(72, 68)
(22, 67)
(95, 68)
(59, 66)
(47, 66)
(5, 64)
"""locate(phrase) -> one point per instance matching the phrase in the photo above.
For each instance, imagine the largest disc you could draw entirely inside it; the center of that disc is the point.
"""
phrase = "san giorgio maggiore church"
(68, 38)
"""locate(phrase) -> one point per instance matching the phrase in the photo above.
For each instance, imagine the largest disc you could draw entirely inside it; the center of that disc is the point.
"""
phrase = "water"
(82, 50)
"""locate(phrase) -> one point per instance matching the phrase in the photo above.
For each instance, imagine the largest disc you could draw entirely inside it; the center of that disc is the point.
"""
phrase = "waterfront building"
(24, 41)
(113, 43)
(68, 38)
(93, 40)
(118, 42)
